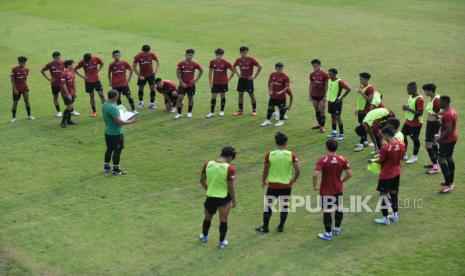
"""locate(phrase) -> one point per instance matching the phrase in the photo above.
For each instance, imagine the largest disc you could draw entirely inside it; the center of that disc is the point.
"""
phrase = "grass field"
(61, 215)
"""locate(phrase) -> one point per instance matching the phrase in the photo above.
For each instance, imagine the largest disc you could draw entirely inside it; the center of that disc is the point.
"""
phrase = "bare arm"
(347, 176)
(210, 77)
(130, 74)
(345, 93)
(100, 67)
(109, 76)
(259, 69)
(291, 100)
(232, 192)
(157, 67)
(178, 74)
(15, 90)
(203, 181)
(134, 66)
(233, 72)
(296, 172)
(199, 75)
(42, 71)
(266, 170)
(76, 70)
(315, 180)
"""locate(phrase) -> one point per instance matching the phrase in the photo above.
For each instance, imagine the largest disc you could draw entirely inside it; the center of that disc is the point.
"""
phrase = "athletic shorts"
(123, 90)
(17, 97)
(219, 88)
(213, 203)
(94, 86)
(432, 128)
(412, 131)
(276, 195)
(318, 98)
(387, 185)
(280, 103)
(67, 101)
(245, 85)
(114, 142)
(190, 90)
(150, 79)
(335, 108)
(446, 149)
(331, 201)
(55, 90)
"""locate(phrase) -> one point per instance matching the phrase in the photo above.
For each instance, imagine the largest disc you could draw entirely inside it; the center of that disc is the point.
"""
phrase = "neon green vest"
(361, 102)
(217, 179)
(374, 115)
(333, 90)
(280, 167)
(429, 106)
(399, 136)
(411, 104)
(377, 97)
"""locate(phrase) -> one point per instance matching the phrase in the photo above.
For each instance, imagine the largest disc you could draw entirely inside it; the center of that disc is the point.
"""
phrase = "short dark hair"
(280, 139)
(445, 99)
(333, 70)
(56, 54)
(22, 59)
(228, 152)
(365, 75)
(115, 52)
(68, 62)
(394, 122)
(388, 130)
(157, 80)
(146, 48)
(87, 56)
(412, 85)
(429, 87)
(112, 93)
(279, 65)
(244, 48)
(331, 145)
(190, 51)
(219, 51)
(315, 61)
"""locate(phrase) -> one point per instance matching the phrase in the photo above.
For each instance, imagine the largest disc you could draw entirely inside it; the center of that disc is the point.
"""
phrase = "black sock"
(282, 217)
(254, 107)
(333, 126)
(93, 109)
(384, 207)
(267, 217)
(432, 156)
(141, 95)
(327, 222)
(282, 111)
(118, 102)
(180, 110)
(451, 165)
(241, 107)
(270, 112)
(152, 96)
(323, 120)
(394, 202)
(206, 226)
(338, 218)
(28, 110)
(13, 111)
(223, 103)
(445, 172)
(57, 107)
(341, 129)
(212, 105)
(416, 146)
(189, 108)
(68, 117)
(223, 229)
(131, 102)
(318, 117)
(65, 116)
(436, 149)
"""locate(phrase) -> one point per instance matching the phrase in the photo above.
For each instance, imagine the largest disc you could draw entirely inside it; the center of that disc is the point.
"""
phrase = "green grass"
(60, 215)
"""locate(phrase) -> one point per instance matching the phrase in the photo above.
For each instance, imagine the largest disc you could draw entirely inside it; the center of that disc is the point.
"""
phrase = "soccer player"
(19, 84)
(278, 86)
(145, 73)
(331, 187)
(395, 123)
(246, 77)
(433, 124)
(413, 121)
(169, 90)
(371, 125)
(318, 87)
(92, 66)
(288, 107)
(55, 68)
(335, 97)
(390, 159)
(68, 92)
(186, 75)
(114, 137)
(218, 79)
(364, 99)
(117, 78)
(217, 178)
(447, 140)
(278, 178)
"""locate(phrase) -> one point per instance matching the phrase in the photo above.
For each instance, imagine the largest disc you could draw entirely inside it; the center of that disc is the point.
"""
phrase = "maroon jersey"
(220, 71)
(450, 116)
(331, 167)
(278, 82)
(246, 66)
(90, 68)
(318, 83)
(168, 87)
(145, 61)
(19, 77)
(419, 106)
(118, 73)
(55, 68)
(68, 79)
(187, 70)
(390, 158)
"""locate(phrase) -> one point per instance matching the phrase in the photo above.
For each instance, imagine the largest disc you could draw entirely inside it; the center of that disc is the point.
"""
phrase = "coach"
(114, 137)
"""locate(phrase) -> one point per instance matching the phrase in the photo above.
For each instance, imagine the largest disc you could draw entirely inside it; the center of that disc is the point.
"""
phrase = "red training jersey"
(55, 68)
(331, 167)
(19, 77)
(118, 73)
(220, 71)
(274, 185)
(145, 61)
(369, 92)
(278, 82)
(318, 83)
(450, 116)
(68, 79)
(246, 66)
(168, 87)
(390, 158)
(419, 106)
(187, 70)
(90, 68)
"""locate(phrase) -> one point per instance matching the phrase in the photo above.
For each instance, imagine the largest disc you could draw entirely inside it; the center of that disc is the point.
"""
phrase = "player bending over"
(169, 90)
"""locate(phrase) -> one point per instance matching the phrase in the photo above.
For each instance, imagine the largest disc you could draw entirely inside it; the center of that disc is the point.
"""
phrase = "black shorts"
(432, 128)
(335, 108)
(331, 201)
(94, 86)
(123, 90)
(55, 90)
(387, 185)
(318, 98)
(17, 97)
(280, 103)
(67, 101)
(278, 195)
(150, 79)
(446, 149)
(412, 131)
(190, 90)
(245, 85)
(213, 203)
(219, 88)
(114, 142)
(361, 116)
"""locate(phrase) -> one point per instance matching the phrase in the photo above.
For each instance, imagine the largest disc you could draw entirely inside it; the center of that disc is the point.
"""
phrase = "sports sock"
(28, 110)
(254, 107)
(212, 105)
(57, 107)
(445, 172)
(93, 109)
(241, 107)
(13, 111)
(318, 117)
(333, 126)
(323, 120)
(327, 221)
(223, 103)
(206, 226)
(282, 218)
(436, 149)
(416, 146)
(65, 116)
(384, 206)
(432, 156)
(189, 108)
(451, 165)
(270, 112)
(266, 217)
(152, 96)
(394, 202)
(338, 218)
(341, 129)
(223, 229)
(282, 111)
(141, 95)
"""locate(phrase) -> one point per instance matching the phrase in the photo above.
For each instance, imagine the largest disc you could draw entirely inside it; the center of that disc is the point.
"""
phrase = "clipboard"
(124, 114)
